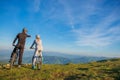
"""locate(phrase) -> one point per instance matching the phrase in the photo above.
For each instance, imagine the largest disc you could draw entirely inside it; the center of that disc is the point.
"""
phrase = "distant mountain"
(55, 60)
(62, 60)
(69, 56)
(86, 59)
(52, 57)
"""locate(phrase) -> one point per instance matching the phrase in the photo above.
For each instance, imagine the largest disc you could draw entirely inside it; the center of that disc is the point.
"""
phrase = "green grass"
(102, 70)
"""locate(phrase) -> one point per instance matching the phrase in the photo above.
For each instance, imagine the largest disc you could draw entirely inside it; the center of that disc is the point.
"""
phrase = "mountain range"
(52, 57)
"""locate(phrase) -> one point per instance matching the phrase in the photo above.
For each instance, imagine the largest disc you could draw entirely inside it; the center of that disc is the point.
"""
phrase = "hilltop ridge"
(97, 70)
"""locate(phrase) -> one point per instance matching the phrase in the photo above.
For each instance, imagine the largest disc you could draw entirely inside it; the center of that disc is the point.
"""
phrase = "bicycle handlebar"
(14, 45)
(32, 48)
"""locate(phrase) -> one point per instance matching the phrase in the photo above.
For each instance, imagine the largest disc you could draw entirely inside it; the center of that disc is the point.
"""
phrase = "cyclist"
(38, 51)
(21, 39)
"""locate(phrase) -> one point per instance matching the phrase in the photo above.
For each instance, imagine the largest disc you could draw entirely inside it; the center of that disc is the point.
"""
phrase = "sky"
(82, 27)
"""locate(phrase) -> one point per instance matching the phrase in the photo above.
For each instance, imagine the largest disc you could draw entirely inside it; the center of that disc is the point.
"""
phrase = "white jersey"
(38, 45)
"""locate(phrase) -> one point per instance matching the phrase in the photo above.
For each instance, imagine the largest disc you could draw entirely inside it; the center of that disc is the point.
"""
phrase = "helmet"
(24, 30)
(37, 36)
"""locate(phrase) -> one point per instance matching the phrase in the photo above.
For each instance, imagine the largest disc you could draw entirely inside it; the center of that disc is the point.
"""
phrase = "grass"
(102, 70)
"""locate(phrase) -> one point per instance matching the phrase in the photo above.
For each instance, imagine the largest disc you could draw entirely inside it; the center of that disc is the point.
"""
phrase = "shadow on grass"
(2, 77)
(75, 77)
(83, 69)
(114, 71)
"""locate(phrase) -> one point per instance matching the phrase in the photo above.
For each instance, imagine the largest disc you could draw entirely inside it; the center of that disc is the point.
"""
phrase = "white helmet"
(37, 36)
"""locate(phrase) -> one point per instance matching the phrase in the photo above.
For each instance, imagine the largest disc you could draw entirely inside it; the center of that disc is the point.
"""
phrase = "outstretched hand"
(13, 44)
(30, 47)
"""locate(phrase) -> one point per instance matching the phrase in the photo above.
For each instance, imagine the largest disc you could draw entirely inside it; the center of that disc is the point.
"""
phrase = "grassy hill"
(100, 70)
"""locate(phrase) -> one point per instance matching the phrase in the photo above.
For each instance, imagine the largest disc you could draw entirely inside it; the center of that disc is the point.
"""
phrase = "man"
(21, 37)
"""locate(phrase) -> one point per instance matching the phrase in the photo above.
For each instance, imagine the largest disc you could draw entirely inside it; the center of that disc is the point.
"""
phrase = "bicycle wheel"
(12, 60)
(39, 65)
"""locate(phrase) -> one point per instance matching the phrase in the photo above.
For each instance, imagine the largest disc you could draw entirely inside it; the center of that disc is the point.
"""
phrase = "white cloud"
(34, 5)
(68, 13)
(103, 37)
(37, 5)
(79, 13)
(99, 35)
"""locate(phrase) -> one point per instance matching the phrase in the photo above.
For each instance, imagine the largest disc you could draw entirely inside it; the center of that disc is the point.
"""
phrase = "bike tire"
(12, 60)
(39, 64)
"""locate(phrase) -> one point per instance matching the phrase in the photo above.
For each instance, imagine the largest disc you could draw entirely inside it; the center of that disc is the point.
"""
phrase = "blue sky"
(84, 27)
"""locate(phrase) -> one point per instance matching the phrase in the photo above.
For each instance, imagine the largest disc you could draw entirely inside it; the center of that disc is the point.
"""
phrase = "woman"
(38, 51)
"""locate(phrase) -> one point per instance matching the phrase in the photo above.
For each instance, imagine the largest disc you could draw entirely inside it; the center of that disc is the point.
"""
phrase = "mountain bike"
(14, 57)
(38, 63)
